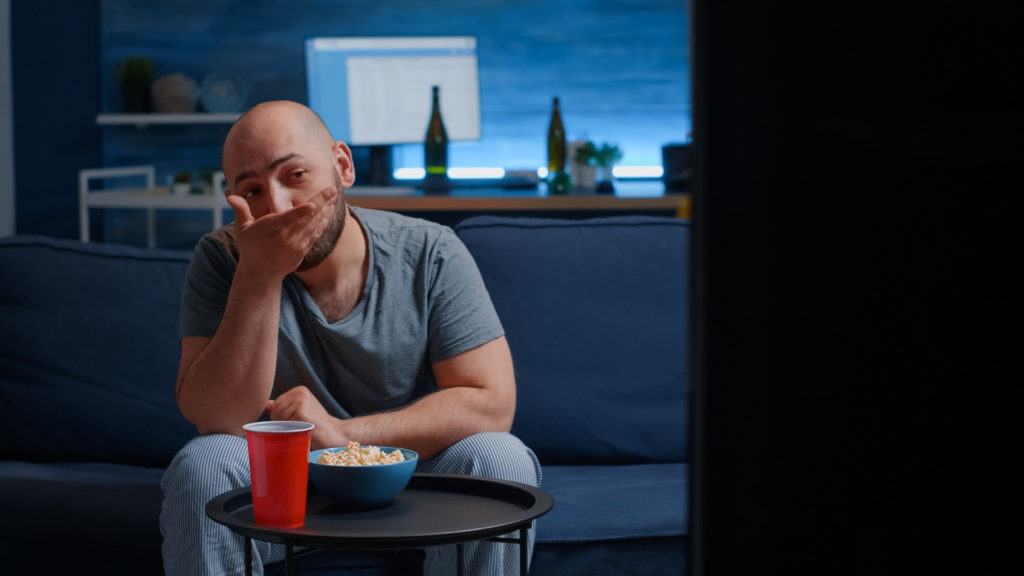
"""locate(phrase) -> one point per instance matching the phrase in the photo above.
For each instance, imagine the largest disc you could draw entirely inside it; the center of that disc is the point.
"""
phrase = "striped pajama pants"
(210, 465)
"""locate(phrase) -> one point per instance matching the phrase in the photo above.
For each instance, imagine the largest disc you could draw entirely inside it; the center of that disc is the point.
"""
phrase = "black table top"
(433, 509)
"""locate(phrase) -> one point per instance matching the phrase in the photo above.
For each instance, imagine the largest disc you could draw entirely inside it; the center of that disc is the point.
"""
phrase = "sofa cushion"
(614, 520)
(596, 314)
(595, 503)
(109, 511)
(89, 352)
(636, 557)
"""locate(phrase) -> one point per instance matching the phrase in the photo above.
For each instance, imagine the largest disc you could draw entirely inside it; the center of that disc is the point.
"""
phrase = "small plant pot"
(605, 180)
(559, 183)
(135, 98)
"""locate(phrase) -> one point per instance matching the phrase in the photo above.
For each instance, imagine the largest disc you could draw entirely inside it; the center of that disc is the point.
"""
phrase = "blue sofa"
(596, 314)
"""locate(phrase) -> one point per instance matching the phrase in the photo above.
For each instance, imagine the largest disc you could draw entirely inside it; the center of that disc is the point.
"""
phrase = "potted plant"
(204, 180)
(182, 184)
(603, 158)
(135, 74)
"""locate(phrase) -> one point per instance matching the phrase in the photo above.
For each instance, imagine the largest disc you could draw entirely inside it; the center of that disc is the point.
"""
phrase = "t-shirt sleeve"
(462, 315)
(205, 294)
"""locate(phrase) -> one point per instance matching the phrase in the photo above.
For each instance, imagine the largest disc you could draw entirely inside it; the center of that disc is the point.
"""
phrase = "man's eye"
(297, 174)
(248, 194)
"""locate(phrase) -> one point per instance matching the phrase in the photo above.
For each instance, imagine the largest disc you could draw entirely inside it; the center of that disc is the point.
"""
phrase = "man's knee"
(491, 455)
(213, 459)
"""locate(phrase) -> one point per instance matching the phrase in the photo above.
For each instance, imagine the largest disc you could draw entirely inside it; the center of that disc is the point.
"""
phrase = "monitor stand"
(380, 166)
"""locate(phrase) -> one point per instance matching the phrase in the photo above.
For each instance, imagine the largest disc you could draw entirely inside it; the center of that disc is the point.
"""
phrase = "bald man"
(373, 326)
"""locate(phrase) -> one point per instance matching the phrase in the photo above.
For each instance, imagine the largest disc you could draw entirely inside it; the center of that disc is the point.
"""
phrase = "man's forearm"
(434, 422)
(476, 393)
(230, 379)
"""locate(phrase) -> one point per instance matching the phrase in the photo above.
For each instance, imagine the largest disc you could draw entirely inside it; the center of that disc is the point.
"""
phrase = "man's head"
(279, 155)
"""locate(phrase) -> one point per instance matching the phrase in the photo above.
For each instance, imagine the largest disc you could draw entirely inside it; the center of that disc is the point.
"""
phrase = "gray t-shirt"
(424, 301)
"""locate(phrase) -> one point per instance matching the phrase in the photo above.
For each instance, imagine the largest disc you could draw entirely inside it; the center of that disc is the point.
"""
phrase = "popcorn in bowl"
(354, 455)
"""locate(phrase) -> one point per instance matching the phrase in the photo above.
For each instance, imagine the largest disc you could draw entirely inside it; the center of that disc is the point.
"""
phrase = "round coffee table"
(433, 509)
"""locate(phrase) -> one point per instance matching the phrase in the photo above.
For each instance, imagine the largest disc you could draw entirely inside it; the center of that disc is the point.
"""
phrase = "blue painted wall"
(55, 95)
(621, 69)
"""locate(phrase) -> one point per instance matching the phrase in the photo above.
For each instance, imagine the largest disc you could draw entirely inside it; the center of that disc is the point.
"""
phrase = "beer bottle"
(436, 143)
(556, 142)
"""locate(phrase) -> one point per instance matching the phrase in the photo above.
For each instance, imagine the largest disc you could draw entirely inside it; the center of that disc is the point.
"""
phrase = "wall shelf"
(143, 120)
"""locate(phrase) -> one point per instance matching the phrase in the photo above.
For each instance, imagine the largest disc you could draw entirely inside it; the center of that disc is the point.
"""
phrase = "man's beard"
(324, 245)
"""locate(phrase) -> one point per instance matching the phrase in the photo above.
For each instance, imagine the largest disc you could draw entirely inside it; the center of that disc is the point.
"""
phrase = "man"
(373, 326)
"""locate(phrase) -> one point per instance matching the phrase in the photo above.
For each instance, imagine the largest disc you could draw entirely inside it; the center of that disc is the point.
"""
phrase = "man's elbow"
(505, 412)
(205, 424)
(206, 428)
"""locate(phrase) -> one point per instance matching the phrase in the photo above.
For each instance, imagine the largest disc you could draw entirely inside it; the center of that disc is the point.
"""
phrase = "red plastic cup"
(279, 464)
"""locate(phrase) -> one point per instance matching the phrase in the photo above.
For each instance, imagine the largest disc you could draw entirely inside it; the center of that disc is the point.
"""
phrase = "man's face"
(275, 166)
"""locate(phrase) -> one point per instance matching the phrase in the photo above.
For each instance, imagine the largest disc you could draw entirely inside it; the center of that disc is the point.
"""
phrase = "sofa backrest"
(89, 352)
(596, 313)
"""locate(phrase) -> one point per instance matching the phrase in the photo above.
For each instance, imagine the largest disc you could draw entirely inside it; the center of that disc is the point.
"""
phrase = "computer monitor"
(376, 91)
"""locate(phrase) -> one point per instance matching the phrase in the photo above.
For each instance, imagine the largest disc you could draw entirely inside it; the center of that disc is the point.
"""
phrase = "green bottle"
(436, 144)
(558, 178)
(556, 141)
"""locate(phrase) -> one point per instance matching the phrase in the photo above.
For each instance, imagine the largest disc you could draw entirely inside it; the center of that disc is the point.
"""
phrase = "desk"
(628, 196)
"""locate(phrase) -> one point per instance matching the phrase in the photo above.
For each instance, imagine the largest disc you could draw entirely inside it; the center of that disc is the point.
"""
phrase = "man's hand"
(300, 404)
(276, 243)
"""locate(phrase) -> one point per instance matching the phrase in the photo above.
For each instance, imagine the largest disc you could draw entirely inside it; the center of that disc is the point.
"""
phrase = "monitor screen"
(377, 91)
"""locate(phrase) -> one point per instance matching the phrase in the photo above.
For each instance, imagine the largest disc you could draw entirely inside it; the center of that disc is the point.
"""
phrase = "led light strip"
(484, 173)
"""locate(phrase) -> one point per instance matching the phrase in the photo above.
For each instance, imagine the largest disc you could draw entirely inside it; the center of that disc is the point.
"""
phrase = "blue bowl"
(362, 487)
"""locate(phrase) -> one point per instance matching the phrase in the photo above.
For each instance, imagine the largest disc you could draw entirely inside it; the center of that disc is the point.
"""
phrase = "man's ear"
(346, 167)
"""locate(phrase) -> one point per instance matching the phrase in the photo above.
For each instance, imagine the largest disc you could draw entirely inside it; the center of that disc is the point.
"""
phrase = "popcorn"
(353, 455)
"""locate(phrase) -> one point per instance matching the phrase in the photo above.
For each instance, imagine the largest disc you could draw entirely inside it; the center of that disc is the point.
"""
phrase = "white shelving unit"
(150, 197)
(143, 120)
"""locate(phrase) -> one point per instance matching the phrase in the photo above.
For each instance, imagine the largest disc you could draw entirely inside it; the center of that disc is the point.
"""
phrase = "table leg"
(83, 223)
(288, 559)
(151, 228)
(523, 552)
(459, 569)
(248, 557)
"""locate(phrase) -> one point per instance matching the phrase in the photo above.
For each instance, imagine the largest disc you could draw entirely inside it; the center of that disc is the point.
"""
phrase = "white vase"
(583, 175)
(175, 93)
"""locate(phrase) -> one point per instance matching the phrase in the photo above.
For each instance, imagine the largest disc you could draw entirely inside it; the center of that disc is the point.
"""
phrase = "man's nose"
(280, 199)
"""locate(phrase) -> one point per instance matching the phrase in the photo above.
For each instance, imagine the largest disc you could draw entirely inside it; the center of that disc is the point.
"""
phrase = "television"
(376, 91)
